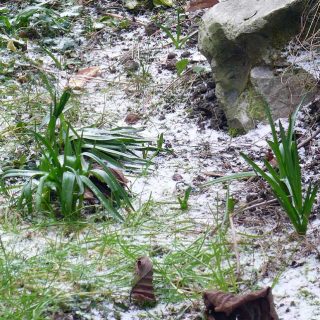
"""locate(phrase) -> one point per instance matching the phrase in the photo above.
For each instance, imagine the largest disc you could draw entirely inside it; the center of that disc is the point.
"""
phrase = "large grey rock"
(238, 35)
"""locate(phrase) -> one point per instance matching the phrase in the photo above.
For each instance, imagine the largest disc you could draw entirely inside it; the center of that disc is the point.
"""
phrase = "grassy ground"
(52, 269)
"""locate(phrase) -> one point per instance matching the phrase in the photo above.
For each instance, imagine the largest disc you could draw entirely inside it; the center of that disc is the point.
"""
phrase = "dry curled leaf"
(118, 174)
(132, 118)
(257, 305)
(78, 80)
(271, 158)
(142, 290)
(194, 5)
(103, 187)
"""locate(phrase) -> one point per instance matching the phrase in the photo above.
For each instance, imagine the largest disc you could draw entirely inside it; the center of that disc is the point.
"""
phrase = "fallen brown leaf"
(142, 290)
(78, 80)
(118, 174)
(132, 118)
(256, 305)
(194, 5)
(271, 158)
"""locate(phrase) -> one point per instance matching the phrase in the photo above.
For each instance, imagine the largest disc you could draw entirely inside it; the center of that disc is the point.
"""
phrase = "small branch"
(118, 16)
(306, 141)
(303, 143)
(254, 204)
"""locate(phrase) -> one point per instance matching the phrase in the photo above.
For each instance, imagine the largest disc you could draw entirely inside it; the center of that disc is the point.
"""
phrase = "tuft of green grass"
(71, 163)
(285, 180)
(177, 38)
(183, 202)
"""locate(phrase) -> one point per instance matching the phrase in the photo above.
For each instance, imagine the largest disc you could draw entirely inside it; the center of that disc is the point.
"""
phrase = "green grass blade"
(78, 179)
(236, 176)
(62, 103)
(67, 201)
(39, 192)
(26, 194)
(21, 173)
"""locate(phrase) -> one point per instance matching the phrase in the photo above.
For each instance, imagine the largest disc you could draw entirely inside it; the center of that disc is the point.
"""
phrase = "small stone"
(199, 178)
(177, 177)
(185, 54)
(251, 196)
(202, 88)
(171, 64)
(131, 66)
(113, 69)
(171, 55)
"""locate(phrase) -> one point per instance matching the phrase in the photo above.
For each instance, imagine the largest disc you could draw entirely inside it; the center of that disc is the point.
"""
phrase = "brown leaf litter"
(142, 290)
(79, 80)
(257, 305)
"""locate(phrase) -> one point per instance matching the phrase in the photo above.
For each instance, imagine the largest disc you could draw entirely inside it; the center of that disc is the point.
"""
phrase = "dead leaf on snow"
(142, 290)
(257, 305)
(132, 118)
(194, 5)
(78, 80)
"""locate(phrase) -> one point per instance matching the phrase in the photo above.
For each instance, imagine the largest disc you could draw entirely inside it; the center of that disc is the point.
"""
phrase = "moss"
(257, 104)
(235, 132)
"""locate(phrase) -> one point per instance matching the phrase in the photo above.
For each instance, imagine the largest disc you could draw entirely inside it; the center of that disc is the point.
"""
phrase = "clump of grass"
(177, 38)
(285, 180)
(73, 162)
(183, 202)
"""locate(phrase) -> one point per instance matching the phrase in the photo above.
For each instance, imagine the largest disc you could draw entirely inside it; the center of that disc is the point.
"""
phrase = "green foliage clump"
(74, 162)
(285, 180)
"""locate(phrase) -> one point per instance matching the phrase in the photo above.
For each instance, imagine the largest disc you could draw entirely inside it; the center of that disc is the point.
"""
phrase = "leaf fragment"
(142, 290)
(11, 46)
(257, 305)
(79, 80)
(194, 5)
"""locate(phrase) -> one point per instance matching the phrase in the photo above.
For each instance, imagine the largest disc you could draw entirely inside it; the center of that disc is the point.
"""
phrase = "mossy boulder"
(240, 39)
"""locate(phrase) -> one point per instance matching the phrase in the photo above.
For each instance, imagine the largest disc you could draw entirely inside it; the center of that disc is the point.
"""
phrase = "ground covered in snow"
(53, 270)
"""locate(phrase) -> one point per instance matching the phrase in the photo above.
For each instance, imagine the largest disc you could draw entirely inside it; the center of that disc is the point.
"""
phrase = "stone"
(282, 93)
(177, 177)
(241, 40)
(131, 66)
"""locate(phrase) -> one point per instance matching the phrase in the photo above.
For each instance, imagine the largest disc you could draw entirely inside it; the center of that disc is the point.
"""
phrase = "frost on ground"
(90, 268)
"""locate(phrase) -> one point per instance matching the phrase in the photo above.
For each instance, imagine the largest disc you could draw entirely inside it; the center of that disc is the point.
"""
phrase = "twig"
(303, 143)
(255, 204)
(118, 16)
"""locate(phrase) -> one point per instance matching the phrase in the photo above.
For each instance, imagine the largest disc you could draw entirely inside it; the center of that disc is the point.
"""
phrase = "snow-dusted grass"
(86, 268)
